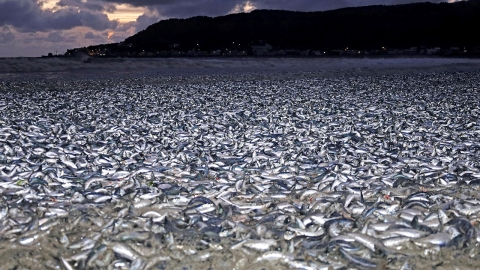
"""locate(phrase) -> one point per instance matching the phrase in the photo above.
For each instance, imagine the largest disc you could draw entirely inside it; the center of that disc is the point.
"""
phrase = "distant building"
(232, 52)
(261, 49)
(319, 53)
(352, 52)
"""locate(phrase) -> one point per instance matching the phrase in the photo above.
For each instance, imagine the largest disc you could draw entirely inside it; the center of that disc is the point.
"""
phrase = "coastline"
(329, 65)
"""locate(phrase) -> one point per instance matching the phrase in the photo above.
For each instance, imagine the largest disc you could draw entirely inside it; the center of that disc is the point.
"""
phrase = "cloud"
(6, 37)
(141, 3)
(59, 36)
(149, 17)
(186, 8)
(244, 7)
(91, 35)
(146, 20)
(97, 21)
(93, 5)
(198, 8)
(27, 16)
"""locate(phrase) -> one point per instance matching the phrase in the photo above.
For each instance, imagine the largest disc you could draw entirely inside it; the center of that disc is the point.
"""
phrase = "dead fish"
(277, 170)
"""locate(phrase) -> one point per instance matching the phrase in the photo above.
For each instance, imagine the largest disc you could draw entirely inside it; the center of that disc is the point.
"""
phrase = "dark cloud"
(59, 36)
(14, 12)
(91, 35)
(27, 16)
(198, 8)
(144, 21)
(94, 5)
(142, 3)
(96, 21)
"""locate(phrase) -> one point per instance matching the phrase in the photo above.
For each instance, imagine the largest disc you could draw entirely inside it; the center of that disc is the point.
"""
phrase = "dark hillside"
(363, 28)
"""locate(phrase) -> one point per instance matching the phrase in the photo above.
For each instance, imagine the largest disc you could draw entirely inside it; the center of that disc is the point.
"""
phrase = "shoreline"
(328, 67)
(369, 56)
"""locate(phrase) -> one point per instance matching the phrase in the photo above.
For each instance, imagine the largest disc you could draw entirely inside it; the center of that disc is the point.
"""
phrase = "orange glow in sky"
(49, 4)
(126, 13)
(247, 7)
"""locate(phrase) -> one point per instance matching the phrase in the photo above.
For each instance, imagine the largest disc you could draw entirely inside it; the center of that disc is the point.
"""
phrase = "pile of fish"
(310, 173)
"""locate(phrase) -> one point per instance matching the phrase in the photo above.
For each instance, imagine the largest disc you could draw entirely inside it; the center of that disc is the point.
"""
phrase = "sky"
(31, 28)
